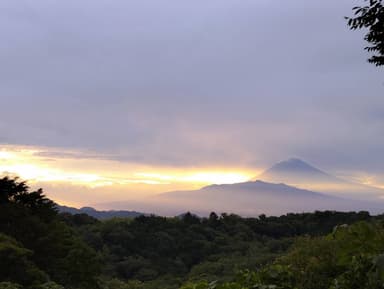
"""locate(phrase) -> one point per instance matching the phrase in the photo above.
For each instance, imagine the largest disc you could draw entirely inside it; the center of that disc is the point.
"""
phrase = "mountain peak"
(87, 209)
(294, 164)
(288, 170)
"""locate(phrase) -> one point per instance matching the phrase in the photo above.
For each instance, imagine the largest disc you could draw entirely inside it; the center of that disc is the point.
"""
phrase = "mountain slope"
(287, 187)
(298, 173)
(257, 197)
(295, 168)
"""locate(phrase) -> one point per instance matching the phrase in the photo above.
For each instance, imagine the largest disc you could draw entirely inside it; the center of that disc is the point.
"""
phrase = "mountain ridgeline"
(295, 172)
(288, 186)
(102, 215)
(293, 169)
(254, 198)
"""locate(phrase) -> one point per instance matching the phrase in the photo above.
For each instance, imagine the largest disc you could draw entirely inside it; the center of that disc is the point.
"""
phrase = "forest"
(43, 249)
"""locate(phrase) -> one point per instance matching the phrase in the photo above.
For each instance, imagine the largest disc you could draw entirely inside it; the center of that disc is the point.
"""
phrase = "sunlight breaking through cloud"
(39, 165)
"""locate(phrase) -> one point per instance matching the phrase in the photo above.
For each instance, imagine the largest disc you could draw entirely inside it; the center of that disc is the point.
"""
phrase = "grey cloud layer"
(191, 82)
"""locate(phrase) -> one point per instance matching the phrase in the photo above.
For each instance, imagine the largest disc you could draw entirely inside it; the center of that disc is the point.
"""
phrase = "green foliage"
(349, 258)
(49, 285)
(250, 280)
(163, 252)
(363, 272)
(199, 285)
(317, 262)
(16, 264)
(46, 248)
(118, 284)
(66, 258)
(371, 17)
(9, 285)
(40, 249)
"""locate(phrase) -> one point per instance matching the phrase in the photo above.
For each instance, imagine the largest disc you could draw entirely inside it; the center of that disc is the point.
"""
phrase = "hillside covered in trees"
(43, 249)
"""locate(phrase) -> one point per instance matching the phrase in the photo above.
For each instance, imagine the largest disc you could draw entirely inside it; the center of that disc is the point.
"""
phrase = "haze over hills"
(257, 197)
(99, 214)
(288, 186)
(298, 173)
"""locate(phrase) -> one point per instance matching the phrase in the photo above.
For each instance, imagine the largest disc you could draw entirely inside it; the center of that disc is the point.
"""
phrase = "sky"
(115, 99)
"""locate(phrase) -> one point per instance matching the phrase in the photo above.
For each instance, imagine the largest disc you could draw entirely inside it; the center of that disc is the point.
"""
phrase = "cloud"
(195, 83)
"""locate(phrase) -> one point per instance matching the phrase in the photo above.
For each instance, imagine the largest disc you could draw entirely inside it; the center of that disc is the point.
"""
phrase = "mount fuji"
(295, 172)
(291, 186)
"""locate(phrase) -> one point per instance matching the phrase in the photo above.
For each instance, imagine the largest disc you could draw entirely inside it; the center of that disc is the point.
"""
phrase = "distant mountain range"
(288, 186)
(257, 197)
(99, 214)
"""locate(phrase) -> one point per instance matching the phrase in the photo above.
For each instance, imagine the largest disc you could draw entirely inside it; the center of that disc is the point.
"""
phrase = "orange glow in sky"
(83, 178)
(117, 180)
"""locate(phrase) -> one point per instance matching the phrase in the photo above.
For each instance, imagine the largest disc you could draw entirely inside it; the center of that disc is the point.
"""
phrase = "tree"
(371, 16)
(9, 285)
(16, 264)
(10, 188)
(17, 192)
(45, 240)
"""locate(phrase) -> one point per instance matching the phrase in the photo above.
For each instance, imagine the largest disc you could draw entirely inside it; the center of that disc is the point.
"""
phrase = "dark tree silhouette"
(18, 193)
(10, 189)
(371, 17)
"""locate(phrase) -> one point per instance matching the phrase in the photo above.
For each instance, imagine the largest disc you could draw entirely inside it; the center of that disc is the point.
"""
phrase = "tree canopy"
(371, 17)
(37, 248)
(43, 249)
